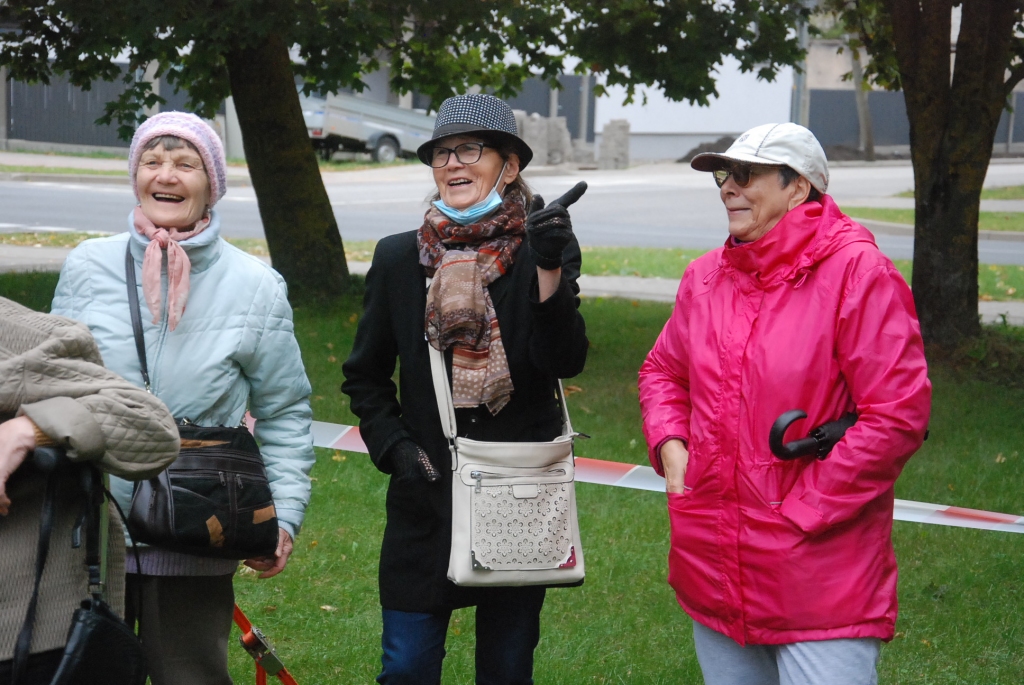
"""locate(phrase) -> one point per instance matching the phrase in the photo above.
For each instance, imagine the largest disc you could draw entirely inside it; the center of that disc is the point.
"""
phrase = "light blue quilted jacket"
(234, 349)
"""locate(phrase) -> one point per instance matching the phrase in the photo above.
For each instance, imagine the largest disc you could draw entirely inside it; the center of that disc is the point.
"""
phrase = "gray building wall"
(535, 97)
(63, 114)
(60, 113)
(833, 118)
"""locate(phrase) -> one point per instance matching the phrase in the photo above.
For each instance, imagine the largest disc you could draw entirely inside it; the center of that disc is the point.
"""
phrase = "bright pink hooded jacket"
(811, 316)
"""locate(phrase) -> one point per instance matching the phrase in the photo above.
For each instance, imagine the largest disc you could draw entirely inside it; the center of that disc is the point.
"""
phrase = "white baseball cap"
(787, 144)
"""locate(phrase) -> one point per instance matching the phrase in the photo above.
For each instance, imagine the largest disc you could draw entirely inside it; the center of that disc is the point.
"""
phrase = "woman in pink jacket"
(786, 567)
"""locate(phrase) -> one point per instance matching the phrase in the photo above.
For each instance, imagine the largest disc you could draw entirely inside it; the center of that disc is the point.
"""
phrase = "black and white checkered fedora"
(480, 114)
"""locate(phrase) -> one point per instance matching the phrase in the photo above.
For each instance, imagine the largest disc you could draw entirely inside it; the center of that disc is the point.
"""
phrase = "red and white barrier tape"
(338, 437)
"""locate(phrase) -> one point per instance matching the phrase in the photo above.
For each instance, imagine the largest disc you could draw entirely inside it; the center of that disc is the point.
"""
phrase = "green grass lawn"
(960, 590)
(7, 168)
(638, 261)
(1003, 193)
(99, 154)
(995, 282)
(997, 193)
(987, 221)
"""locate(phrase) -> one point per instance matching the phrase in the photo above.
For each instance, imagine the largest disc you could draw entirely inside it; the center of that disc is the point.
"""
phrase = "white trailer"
(347, 122)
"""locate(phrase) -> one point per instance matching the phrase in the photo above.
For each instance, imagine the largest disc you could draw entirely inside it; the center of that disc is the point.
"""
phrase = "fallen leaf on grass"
(926, 643)
(314, 543)
(950, 486)
(572, 390)
(269, 608)
(328, 607)
(337, 457)
(330, 346)
(353, 318)
(1000, 458)
(332, 359)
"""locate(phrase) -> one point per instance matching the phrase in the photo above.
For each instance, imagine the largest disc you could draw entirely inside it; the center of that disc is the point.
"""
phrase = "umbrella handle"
(803, 447)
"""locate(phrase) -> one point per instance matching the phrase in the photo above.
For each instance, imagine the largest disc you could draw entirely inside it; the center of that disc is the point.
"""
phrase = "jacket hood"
(806, 235)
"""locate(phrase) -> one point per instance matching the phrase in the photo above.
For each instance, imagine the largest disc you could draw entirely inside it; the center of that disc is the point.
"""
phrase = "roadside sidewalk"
(20, 259)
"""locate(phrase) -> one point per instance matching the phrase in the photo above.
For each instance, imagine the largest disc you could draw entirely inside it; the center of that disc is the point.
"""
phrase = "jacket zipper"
(164, 326)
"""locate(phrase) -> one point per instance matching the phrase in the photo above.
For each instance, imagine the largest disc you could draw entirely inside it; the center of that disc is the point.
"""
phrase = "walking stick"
(259, 648)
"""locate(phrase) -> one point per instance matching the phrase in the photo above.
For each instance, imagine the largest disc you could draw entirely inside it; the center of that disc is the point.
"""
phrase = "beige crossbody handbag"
(513, 504)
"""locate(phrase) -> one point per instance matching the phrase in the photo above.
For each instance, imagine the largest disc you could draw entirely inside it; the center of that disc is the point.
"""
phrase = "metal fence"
(66, 114)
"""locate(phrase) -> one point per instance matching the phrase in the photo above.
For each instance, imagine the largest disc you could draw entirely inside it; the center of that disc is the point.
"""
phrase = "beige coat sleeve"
(52, 372)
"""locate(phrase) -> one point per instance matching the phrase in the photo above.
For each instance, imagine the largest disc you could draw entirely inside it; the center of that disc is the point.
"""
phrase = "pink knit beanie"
(187, 127)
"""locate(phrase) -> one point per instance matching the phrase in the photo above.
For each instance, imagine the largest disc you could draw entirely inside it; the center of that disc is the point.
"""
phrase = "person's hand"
(549, 229)
(674, 458)
(17, 439)
(271, 566)
(412, 463)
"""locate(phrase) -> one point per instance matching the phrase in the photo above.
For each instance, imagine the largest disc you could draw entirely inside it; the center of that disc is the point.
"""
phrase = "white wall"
(743, 102)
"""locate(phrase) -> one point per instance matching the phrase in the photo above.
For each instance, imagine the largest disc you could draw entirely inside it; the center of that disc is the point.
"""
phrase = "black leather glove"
(550, 228)
(411, 462)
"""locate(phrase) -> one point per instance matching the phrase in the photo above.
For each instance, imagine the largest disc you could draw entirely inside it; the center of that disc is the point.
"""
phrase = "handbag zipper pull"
(478, 476)
(223, 479)
(238, 482)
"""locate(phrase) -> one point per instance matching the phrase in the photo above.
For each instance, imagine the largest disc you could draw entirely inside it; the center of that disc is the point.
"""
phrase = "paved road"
(666, 205)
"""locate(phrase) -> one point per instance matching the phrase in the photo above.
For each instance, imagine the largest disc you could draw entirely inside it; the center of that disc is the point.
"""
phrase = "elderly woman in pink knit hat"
(218, 339)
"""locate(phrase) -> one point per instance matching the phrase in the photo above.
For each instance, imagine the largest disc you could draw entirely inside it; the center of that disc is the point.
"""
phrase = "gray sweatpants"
(825, 662)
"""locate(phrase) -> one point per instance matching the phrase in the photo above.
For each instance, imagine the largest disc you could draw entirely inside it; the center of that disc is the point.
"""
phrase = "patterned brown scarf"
(464, 260)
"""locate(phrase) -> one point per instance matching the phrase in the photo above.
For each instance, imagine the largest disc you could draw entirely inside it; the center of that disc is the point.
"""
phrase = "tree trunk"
(867, 134)
(301, 230)
(952, 131)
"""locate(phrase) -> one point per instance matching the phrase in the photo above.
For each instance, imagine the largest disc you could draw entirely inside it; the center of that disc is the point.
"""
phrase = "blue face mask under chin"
(470, 215)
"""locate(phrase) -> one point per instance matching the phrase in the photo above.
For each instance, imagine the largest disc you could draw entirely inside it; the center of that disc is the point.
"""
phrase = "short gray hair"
(788, 174)
(170, 143)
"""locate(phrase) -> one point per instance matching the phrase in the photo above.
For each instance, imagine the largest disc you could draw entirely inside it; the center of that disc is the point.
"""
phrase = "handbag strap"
(136, 312)
(24, 642)
(446, 406)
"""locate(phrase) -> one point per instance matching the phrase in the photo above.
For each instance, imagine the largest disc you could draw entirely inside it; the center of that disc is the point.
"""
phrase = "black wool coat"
(544, 341)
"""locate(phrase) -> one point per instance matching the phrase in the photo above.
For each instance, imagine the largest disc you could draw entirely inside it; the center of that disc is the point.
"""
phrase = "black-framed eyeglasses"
(741, 174)
(466, 153)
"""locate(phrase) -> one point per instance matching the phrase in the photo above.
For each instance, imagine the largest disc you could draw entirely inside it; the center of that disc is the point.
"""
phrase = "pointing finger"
(574, 194)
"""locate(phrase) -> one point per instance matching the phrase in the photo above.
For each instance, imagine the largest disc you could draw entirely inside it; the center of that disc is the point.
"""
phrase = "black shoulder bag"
(101, 648)
(214, 500)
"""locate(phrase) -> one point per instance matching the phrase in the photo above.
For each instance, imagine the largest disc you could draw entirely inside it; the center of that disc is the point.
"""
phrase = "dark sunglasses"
(467, 153)
(741, 174)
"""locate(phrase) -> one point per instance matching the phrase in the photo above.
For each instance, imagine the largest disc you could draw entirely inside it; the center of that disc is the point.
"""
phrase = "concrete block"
(583, 152)
(535, 134)
(614, 151)
(559, 141)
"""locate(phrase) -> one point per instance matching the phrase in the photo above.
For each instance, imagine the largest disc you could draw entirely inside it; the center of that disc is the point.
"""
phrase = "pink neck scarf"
(178, 266)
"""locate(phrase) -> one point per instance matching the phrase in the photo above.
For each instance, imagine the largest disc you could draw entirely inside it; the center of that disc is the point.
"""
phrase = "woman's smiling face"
(174, 190)
(463, 185)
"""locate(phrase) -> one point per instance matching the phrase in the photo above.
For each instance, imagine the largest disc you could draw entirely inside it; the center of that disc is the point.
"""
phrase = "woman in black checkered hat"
(503, 308)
